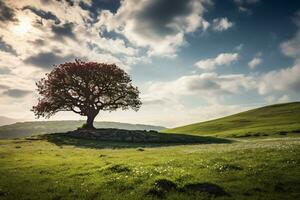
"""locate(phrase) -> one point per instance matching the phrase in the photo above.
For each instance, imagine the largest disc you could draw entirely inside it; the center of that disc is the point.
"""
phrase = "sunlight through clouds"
(23, 26)
(187, 59)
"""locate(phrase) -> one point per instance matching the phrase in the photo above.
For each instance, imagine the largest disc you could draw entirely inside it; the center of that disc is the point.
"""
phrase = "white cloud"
(254, 62)
(244, 9)
(82, 40)
(291, 47)
(165, 99)
(32, 36)
(210, 87)
(221, 59)
(283, 99)
(221, 24)
(79, 34)
(150, 23)
(283, 80)
(173, 113)
(239, 47)
(275, 99)
(244, 4)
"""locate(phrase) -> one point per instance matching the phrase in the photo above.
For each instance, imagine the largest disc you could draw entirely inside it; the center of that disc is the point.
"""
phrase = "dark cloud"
(63, 31)
(158, 25)
(16, 93)
(6, 47)
(38, 42)
(4, 70)
(6, 13)
(70, 2)
(43, 14)
(46, 60)
(3, 87)
(203, 85)
(97, 5)
(158, 15)
(112, 35)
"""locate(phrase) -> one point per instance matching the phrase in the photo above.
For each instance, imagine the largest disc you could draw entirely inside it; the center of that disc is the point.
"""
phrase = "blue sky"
(192, 60)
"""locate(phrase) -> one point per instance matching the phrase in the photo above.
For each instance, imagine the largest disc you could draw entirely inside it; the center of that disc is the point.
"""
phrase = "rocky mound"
(136, 136)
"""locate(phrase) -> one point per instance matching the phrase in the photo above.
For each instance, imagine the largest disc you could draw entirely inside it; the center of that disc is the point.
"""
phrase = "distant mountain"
(7, 120)
(25, 129)
(269, 120)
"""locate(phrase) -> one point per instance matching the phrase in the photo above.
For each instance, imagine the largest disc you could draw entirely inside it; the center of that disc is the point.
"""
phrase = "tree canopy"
(85, 88)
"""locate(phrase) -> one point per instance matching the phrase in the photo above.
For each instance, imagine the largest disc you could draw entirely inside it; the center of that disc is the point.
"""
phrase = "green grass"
(267, 167)
(271, 120)
(244, 169)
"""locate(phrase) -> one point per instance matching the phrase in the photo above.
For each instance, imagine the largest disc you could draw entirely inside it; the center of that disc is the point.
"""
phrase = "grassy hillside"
(25, 129)
(243, 170)
(270, 120)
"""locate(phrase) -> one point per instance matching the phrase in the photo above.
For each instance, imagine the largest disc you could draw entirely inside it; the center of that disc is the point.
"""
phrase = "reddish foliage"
(85, 88)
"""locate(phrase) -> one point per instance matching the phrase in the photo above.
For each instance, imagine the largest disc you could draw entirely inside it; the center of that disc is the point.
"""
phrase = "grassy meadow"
(227, 167)
(243, 169)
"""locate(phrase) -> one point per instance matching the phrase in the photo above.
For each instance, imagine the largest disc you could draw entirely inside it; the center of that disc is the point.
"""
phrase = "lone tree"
(85, 88)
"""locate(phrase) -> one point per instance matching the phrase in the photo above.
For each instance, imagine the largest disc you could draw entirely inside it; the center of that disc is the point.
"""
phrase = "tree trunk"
(90, 122)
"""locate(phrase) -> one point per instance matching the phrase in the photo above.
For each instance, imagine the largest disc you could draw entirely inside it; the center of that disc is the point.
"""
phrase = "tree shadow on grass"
(162, 139)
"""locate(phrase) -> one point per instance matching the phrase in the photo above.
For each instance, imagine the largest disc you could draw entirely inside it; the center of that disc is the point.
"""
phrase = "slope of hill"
(270, 120)
(7, 120)
(25, 129)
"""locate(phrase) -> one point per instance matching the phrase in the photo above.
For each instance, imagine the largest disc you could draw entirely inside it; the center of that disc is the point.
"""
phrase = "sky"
(192, 60)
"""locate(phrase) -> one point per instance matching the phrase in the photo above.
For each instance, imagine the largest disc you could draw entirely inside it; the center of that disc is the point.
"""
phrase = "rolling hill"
(25, 129)
(270, 120)
(7, 120)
